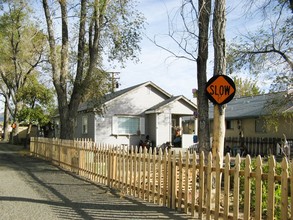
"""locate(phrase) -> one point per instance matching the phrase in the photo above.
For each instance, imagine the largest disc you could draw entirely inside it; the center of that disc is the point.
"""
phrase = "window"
(260, 126)
(229, 125)
(188, 125)
(84, 124)
(127, 125)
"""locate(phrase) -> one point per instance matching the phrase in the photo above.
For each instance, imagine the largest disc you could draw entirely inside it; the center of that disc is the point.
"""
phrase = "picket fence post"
(186, 194)
(271, 188)
(180, 182)
(202, 196)
(226, 186)
(236, 187)
(174, 181)
(218, 177)
(193, 187)
(209, 186)
(284, 189)
(258, 186)
(247, 187)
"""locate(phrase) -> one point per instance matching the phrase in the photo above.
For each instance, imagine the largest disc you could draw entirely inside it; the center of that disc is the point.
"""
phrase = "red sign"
(220, 89)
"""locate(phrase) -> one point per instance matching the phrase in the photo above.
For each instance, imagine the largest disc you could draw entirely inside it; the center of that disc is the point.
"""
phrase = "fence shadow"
(72, 197)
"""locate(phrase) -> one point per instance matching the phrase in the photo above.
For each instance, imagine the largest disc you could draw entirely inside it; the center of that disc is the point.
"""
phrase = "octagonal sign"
(220, 89)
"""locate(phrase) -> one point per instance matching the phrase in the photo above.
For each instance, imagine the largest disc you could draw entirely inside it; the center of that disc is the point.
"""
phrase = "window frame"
(115, 125)
(84, 124)
(260, 126)
(231, 124)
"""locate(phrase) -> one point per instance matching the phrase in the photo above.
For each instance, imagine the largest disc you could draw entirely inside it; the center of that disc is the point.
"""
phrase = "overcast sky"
(176, 76)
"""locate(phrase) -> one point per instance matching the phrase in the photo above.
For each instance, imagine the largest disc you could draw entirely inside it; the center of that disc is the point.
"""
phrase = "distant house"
(245, 117)
(135, 112)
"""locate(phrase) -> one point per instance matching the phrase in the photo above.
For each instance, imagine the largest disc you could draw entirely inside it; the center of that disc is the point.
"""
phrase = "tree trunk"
(68, 114)
(204, 8)
(15, 130)
(67, 129)
(219, 131)
(219, 25)
(6, 121)
(60, 70)
(68, 106)
(27, 137)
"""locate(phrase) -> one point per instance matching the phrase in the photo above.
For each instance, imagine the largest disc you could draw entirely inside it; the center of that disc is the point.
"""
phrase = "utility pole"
(114, 81)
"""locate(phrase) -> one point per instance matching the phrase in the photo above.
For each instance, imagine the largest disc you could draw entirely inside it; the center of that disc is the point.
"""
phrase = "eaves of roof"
(158, 108)
(114, 95)
(111, 96)
(251, 106)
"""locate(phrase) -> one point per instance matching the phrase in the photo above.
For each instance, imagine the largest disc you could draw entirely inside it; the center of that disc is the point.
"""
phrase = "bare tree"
(193, 41)
(203, 105)
(104, 27)
(266, 51)
(219, 41)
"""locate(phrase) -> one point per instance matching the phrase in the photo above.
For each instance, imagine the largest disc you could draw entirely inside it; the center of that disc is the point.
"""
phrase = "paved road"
(34, 189)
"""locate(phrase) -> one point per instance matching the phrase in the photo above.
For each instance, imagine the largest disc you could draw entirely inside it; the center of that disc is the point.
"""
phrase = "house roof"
(158, 107)
(112, 96)
(254, 106)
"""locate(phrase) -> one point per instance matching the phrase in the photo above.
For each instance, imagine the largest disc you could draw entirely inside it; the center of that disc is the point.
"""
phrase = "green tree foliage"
(37, 103)
(246, 87)
(21, 48)
(279, 106)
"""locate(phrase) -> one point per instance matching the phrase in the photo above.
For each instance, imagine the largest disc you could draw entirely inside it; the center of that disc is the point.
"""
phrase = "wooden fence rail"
(240, 189)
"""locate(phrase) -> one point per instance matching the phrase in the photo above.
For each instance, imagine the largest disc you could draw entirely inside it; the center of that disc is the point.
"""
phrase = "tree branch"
(172, 52)
(273, 50)
(52, 43)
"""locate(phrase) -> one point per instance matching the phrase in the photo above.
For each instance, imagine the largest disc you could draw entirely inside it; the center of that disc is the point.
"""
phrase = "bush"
(265, 169)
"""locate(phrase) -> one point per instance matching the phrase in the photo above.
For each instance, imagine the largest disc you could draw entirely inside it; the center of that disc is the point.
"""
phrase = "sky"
(176, 76)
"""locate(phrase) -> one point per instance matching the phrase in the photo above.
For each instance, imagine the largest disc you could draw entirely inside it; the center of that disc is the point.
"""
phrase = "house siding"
(248, 129)
(286, 127)
(247, 110)
(90, 128)
(164, 125)
(133, 103)
(136, 102)
(155, 108)
(180, 108)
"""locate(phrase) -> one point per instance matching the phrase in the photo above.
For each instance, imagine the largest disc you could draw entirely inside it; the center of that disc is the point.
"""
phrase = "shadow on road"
(71, 197)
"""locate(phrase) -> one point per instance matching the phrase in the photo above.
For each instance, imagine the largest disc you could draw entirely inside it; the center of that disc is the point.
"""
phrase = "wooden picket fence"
(238, 189)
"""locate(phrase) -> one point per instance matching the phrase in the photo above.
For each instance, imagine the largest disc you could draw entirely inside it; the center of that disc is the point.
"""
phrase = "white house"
(137, 111)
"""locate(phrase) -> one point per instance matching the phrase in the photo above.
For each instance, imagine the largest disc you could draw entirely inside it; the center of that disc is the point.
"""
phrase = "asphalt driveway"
(34, 189)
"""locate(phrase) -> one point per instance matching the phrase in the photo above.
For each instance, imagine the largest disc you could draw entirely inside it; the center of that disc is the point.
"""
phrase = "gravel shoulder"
(34, 189)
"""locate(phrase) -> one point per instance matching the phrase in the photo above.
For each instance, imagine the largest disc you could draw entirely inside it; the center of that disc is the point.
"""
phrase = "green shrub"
(265, 169)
